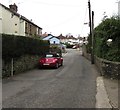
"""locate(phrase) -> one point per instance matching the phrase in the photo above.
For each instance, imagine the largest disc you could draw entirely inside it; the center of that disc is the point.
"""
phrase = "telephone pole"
(91, 25)
(92, 51)
(89, 7)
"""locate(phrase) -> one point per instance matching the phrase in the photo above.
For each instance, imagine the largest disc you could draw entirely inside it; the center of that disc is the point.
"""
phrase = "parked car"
(51, 60)
(74, 47)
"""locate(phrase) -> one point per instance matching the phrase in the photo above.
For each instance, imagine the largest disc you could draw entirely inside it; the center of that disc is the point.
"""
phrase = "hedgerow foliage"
(108, 29)
(16, 46)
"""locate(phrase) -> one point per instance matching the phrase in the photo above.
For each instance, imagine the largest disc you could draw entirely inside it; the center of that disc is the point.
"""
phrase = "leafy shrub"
(56, 48)
(107, 29)
(15, 46)
(68, 45)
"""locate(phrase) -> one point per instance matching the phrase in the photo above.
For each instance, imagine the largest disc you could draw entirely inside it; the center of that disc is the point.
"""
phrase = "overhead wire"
(46, 3)
(65, 21)
(53, 4)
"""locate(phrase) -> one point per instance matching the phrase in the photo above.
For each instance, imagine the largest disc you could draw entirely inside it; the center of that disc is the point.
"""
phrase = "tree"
(108, 29)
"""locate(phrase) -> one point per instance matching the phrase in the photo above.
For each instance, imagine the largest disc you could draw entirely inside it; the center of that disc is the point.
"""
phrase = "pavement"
(0, 94)
(111, 86)
(107, 93)
(102, 100)
(63, 54)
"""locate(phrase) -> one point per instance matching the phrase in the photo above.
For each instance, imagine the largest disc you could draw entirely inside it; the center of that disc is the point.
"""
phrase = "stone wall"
(106, 68)
(20, 64)
(84, 53)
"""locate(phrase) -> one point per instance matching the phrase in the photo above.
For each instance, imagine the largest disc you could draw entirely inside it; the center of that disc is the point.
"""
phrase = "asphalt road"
(71, 86)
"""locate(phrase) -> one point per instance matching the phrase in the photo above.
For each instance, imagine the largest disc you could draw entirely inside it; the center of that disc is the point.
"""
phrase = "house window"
(26, 28)
(12, 15)
(37, 32)
(30, 29)
(54, 42)
(15, 24)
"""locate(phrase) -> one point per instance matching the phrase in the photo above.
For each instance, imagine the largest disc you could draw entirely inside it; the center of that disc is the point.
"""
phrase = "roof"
(54, 37)
(21, 17)
(61, 37)
(71, 37)
(44, 35)
(66, 37)
(49, 36)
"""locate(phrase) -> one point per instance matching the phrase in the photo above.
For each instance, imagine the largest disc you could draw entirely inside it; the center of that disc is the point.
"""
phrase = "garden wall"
(20, 53)
(21, 64)
(106, 68)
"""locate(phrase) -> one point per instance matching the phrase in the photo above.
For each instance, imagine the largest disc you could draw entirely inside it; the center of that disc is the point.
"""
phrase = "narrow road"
(71, 86)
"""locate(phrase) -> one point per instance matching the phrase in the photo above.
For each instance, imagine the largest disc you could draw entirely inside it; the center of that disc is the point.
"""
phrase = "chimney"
(13, 7)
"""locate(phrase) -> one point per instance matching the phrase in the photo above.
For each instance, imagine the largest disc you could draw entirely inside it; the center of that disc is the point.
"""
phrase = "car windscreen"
(48, 55)
(51, 55)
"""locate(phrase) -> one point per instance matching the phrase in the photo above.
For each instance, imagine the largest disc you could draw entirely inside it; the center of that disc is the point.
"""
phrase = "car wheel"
(40, 67)
(57, 65)
(62, 63)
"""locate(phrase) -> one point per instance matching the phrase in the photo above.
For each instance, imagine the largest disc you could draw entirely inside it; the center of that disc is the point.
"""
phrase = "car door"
(60, 59)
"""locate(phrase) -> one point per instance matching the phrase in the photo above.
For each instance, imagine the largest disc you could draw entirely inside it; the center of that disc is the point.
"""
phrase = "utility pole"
(92, 51)
(89, 7)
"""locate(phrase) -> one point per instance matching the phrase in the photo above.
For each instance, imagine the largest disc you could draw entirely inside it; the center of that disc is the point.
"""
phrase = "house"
(16, 24)
(62, 38)
(55, 44)
(72, 40)
(68, 39)
(119, 8)
(53, 40)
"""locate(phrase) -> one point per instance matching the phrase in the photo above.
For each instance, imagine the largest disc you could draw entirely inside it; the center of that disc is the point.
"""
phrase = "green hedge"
(68, 45)
(107, 29)
(55, 48)
(16, 46)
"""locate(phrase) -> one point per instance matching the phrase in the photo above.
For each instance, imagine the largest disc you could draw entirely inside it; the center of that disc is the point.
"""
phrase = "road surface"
(71, 86)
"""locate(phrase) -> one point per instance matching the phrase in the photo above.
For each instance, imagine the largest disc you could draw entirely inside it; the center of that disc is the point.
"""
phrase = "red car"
(51, 60)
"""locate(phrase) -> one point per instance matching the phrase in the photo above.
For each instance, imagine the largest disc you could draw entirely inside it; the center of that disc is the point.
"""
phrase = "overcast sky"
(64, 16)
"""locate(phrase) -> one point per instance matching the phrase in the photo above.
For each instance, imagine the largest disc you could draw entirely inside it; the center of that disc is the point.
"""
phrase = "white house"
(52, 39)
(119, 8)
(48, 37)
(72, 40)
(0, 19)
(16, 24)
(68, 39)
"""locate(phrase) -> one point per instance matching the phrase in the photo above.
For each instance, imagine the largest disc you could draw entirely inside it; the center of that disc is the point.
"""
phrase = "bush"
(108, 29)
(68, 45)
(56, 48)
(16, 46)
